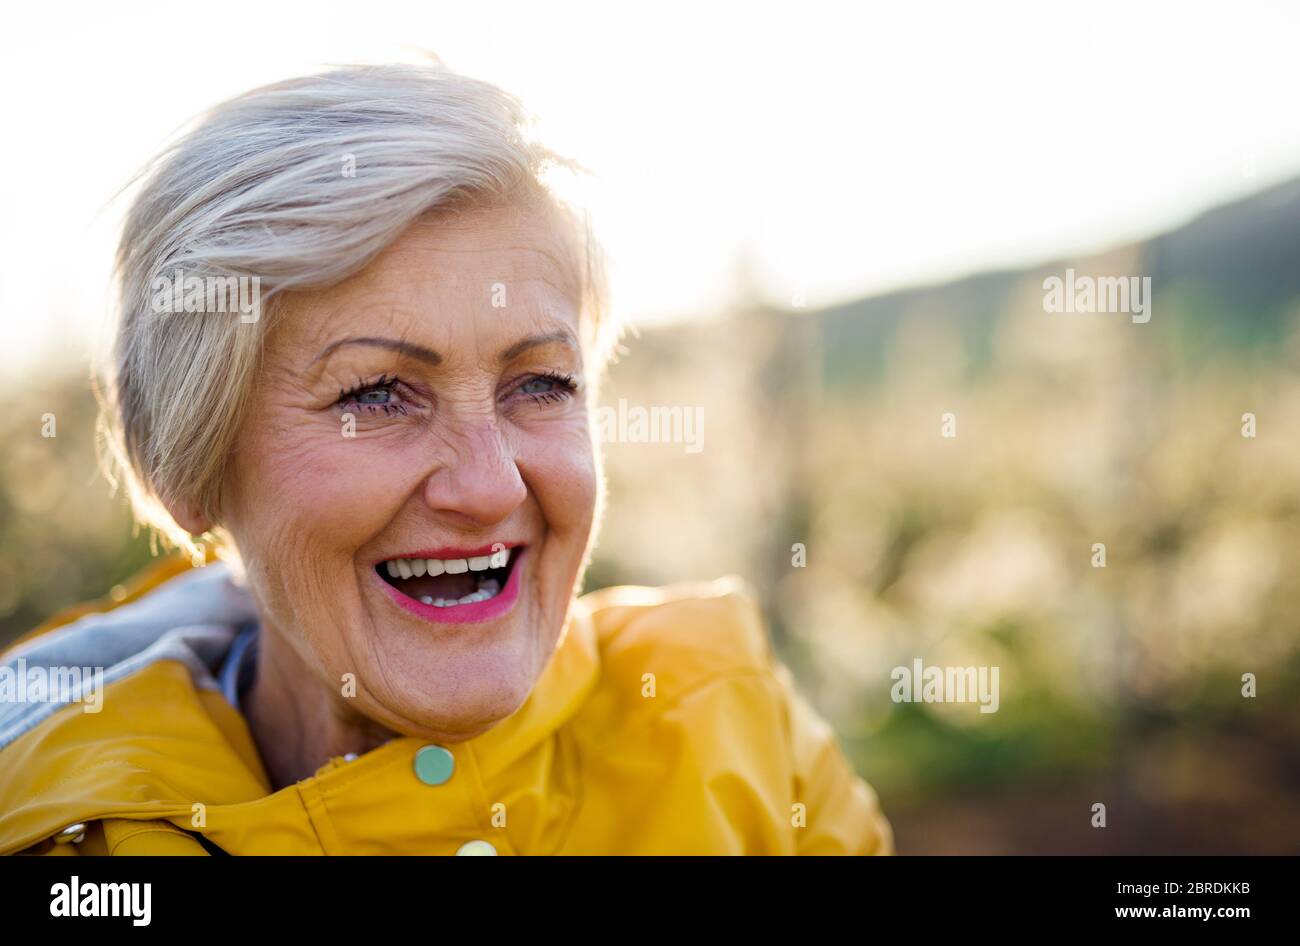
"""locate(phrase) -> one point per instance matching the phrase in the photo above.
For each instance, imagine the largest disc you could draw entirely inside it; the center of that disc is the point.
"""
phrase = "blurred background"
(829, 225)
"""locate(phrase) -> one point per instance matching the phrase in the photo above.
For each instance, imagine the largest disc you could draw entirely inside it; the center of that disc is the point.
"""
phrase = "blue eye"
(375, 396)
(548, 388)
(538, 386)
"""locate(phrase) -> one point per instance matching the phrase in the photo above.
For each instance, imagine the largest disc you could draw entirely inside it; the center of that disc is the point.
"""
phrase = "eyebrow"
(550, 338)
(409, 349)
(429, 356)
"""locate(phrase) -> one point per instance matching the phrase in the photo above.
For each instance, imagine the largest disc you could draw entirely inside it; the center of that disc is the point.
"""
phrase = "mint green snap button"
(434, 765)
(477, 849)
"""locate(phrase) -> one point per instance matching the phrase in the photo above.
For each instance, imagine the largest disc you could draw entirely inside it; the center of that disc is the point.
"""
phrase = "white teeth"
(488, 588)
(418, 567)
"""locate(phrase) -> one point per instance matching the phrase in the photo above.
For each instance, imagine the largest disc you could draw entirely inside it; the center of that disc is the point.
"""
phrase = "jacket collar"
(166, 739)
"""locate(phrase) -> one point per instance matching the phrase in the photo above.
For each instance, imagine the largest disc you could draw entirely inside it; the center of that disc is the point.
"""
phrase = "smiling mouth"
(450, 582)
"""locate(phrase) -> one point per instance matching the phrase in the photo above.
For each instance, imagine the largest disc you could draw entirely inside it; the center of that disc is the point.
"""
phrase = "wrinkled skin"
(483, 446)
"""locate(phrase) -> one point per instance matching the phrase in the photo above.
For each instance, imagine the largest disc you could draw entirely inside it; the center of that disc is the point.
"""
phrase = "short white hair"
(259, 188)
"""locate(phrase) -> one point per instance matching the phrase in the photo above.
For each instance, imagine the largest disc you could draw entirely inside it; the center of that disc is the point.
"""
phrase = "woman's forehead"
(487, 273)
(461, 250)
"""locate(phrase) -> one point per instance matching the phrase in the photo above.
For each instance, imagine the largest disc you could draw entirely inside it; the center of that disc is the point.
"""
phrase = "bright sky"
(841, 149)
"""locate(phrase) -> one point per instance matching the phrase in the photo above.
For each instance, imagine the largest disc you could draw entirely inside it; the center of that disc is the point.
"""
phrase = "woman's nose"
(478, 482)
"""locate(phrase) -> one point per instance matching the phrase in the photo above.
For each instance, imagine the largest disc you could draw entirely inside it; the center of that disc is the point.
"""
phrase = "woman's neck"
(297, 723)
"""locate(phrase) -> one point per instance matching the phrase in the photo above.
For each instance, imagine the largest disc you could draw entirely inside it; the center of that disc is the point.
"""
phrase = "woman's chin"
(451, 706)
(419, 723)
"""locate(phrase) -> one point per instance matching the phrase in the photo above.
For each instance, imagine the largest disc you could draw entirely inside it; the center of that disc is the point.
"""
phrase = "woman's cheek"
(333, 487)
(559, 465)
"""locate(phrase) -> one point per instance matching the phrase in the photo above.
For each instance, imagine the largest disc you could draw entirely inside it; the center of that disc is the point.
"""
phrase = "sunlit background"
(831, 224)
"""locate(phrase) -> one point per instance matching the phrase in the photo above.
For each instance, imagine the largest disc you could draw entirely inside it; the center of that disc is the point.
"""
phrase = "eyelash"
(382, 383)
(568, 387)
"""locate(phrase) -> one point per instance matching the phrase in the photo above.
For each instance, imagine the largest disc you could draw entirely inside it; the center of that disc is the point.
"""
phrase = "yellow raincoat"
(662, 725)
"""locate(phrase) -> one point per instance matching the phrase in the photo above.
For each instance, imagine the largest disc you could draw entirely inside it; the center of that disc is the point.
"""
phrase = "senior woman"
(387, 433)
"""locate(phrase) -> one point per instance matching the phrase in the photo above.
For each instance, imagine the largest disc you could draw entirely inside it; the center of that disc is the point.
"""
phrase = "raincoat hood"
(661, 724)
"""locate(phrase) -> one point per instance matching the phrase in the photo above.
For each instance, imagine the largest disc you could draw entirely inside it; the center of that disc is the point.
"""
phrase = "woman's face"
(432, 407)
